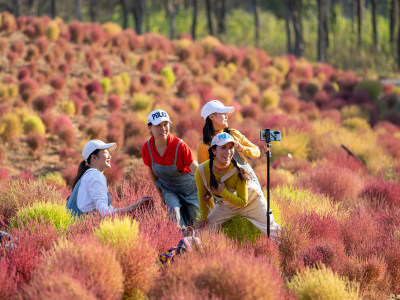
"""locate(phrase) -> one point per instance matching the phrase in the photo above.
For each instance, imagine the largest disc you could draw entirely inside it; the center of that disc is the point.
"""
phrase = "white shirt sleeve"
(97, 189)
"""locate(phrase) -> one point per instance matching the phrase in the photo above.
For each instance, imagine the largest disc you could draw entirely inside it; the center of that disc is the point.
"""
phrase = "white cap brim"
(206, 110)
(160, 120)
(110, 146)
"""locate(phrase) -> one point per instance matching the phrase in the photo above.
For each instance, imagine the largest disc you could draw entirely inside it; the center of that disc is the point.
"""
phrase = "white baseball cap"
(158, 116)
(221, 139)
(215, 106)
(94, 145)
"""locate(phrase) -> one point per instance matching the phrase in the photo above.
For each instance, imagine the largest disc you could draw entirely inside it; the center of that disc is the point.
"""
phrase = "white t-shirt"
(92, 193)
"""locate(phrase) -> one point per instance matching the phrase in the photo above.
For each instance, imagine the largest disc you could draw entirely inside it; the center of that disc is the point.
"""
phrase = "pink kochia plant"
(382, 193)
(64, 129)
(28, 88)
(231, 276)
(94, 87)
(114, 103)
(94, 268)
(58, 82)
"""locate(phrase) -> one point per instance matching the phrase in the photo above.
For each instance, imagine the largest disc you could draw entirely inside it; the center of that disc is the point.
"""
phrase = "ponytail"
(243, 174)
(213, 180)
(209, 132)
(83, 167)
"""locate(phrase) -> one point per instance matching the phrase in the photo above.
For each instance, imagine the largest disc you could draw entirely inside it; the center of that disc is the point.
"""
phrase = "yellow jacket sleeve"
(205, 206)
(249, 149)
(202, 152)
(240, 199)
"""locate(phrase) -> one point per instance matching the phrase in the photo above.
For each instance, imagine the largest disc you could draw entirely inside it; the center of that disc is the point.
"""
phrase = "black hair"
(83, 167)
(243, 175)
(209, 132)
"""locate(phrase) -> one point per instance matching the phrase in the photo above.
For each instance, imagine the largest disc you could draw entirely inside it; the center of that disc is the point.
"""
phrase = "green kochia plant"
(240, 229)
(322, 283)
(56, 214)
(117, 232)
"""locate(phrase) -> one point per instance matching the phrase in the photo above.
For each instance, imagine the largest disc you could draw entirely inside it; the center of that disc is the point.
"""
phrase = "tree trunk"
(374, 23)
(32, 7)
(295, 8)
(323, 39)
(93, 10)
(125, 13)
(398, 48)
(221, 23)
(172, 9)
(360, 14)
(288, 21)
(147, 9)
(194, 19)
(78, 10)
(209, 17)
(256, 5)
(394, 19)
(354, 15)
(138, 10)
(335, 9)
(52, 8)
(15, 8)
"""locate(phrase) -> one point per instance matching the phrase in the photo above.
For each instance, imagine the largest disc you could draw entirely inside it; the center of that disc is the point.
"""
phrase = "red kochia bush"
(8, 280)
(382, 193)
(58, 82)
(28, 88)
(372, 240)
(33, 237)
(66, 154)
(69, 174)
(233, 276)
(48, 118)
(93, 265)
(26, 175)
(88, 109)
(18, 47)
(4, 174)
(41, 103)
(107, 72)
(42, 44)
(94, 87)
(114, 103)
(64, 129)
(333, 181)
(134, 146)
(76, 31)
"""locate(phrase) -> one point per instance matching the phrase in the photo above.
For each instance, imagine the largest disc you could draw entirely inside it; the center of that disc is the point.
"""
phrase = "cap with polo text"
(158, 116)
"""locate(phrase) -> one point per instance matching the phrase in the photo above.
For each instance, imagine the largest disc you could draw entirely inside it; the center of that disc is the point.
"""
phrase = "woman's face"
(219, 120)
(101, 161)
(223, 154)
(160, 131)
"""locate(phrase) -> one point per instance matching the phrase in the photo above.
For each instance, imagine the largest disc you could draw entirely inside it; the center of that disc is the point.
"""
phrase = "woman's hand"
(207, 197)
(220, 188)
(238, 147)
(202, 223)
(145, 200)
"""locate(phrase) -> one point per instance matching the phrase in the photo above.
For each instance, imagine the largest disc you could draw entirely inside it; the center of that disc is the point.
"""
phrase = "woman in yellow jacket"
(230, 184)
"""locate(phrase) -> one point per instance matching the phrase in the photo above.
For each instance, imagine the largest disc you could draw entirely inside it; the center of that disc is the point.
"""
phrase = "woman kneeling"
(232, 187)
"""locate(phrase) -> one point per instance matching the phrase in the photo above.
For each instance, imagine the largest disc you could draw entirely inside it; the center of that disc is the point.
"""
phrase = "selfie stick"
(268, 153)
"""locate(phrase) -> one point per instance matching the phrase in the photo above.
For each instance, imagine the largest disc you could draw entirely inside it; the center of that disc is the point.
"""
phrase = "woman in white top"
(90, 192)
